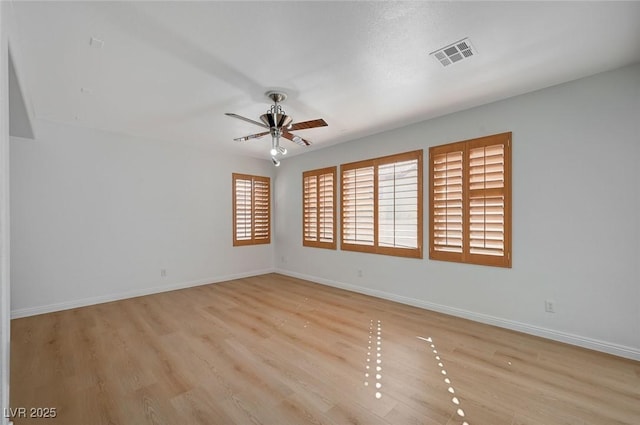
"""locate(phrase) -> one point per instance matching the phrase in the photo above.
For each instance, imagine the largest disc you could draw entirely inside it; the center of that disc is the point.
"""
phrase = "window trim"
(317, 173)
(375, 248)
(465, 256)
(253, 240)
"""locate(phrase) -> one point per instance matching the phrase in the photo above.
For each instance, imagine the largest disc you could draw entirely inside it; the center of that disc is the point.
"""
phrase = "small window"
(319, 208)
(251, 210)
(381, 205)
(470, 208)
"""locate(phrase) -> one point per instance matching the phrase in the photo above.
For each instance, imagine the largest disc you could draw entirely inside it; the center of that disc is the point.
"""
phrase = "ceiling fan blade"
(308, 124)
(251, 136)
(245, 119)
(295, 139)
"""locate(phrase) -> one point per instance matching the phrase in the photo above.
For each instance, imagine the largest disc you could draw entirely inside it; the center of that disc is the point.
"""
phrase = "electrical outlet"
(163, 272)
(359, 273)
(550, 306)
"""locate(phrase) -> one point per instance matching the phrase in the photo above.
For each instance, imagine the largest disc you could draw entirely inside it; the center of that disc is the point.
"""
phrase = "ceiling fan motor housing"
(276, 119)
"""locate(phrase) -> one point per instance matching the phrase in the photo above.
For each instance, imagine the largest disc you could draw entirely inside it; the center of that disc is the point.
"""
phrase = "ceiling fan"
(279, 124)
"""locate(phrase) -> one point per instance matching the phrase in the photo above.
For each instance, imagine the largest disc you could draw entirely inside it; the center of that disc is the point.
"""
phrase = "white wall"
(5, 305)
(576, 217)
(95, 216)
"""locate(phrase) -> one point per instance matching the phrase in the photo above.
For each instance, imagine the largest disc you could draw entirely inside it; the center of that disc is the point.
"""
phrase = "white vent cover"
(454, 52)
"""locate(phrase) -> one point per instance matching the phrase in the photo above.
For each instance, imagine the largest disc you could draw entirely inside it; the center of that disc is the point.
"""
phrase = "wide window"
(470, 201)
(319, 208)
(381, 205)
(251, 210)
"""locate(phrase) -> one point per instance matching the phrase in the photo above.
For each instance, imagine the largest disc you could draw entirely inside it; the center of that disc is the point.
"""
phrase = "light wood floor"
(275, 350)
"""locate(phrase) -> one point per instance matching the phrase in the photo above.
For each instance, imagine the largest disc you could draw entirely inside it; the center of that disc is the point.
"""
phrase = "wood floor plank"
(273, 349)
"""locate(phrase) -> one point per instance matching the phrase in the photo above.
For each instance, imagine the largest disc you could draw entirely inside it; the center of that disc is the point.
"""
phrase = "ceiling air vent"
(454, 52)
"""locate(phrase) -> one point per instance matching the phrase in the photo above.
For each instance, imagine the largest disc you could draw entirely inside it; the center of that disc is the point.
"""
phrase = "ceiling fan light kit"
(279, 124)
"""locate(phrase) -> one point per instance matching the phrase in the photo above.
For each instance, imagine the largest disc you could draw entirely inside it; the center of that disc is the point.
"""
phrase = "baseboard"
(590, 343)
(66, 305)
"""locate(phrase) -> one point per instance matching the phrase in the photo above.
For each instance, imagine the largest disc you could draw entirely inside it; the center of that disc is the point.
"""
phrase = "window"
(470, 193)
(251, 210)
(381, 205)
(319, 208)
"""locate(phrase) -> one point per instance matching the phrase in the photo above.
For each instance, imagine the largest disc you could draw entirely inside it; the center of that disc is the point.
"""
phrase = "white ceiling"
(170, 70)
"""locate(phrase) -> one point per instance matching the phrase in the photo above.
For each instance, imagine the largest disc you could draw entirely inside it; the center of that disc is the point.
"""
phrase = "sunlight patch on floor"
(373, 367)
(447, 380)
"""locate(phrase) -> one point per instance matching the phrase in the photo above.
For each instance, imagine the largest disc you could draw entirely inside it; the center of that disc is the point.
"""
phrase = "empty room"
(332, 212)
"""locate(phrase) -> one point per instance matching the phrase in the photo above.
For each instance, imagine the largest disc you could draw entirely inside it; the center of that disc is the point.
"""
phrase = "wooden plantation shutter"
(470, 191)
(251, 209)
(357, 206)
(382, 205)
(310, 209)
(486, 200)
(319, 208)
(261, 210)
(242, 209)
(447, 199)
(398, 207)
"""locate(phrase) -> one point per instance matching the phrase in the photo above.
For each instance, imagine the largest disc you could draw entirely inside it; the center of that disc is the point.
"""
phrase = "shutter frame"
(324, 204)
(259, 209)
(374, 246)
(477, 168)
